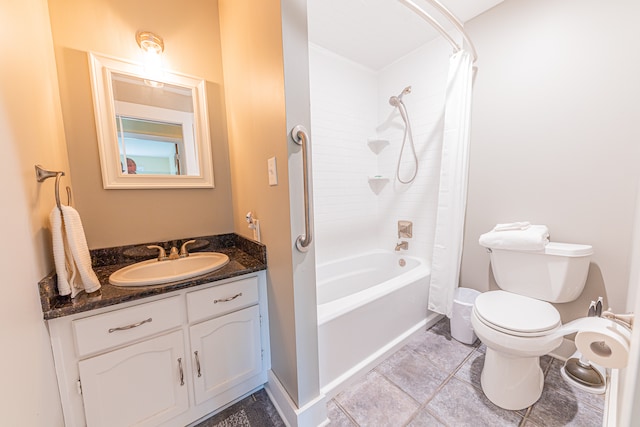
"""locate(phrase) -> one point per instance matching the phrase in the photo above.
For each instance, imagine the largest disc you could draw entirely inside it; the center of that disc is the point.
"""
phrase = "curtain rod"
(450, 16)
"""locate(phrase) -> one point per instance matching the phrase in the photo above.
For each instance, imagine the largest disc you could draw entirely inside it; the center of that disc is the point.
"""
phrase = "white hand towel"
(71, 253)
(533, 238)
(521, 225)
(61, 256)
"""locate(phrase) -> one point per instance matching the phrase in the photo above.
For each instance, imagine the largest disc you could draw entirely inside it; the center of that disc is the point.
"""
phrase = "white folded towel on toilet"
(71, 253)
(521, 225)
(525, 238)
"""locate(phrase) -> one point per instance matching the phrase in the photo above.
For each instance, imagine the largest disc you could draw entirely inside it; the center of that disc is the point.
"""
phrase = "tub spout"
(402, 245)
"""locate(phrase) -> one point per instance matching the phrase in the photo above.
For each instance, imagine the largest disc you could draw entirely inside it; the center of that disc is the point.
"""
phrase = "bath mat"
(239, 419)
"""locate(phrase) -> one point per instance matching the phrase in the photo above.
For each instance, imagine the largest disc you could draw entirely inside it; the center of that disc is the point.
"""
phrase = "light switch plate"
(273, 171)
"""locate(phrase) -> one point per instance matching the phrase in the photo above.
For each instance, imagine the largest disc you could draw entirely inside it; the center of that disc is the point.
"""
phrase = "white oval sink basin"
(154, 272)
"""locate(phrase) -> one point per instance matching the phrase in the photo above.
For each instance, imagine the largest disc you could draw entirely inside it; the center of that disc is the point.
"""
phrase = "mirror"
(151, 133)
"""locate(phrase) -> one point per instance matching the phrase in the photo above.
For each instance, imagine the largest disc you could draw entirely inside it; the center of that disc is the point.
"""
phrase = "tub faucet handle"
(405, 229)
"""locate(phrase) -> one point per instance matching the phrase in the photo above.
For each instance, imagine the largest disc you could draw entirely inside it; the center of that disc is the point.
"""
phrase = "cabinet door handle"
(181, 371)
(215, 301)
(133, 325)
(197, 363)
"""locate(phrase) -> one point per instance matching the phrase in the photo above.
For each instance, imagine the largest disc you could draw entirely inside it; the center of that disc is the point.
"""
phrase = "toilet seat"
(515, 314)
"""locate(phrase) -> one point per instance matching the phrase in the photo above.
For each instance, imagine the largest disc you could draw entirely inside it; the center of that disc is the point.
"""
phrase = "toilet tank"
(557, 274)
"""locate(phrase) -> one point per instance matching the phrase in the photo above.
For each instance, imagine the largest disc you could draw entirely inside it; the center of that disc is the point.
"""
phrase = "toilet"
(518, 324)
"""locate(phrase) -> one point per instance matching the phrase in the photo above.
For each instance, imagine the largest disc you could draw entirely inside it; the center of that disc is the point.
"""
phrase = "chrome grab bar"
(301, 137)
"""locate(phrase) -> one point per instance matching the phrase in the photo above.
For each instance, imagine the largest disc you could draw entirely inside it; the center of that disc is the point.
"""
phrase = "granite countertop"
(245, 256)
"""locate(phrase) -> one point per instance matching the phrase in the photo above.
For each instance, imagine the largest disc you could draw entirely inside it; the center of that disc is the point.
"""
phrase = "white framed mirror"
(151, 133)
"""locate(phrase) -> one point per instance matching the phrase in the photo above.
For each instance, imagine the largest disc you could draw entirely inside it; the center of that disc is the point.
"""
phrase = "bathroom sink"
(153, 272)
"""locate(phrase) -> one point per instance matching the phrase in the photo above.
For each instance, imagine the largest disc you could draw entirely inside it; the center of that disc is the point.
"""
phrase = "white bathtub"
(368, 306)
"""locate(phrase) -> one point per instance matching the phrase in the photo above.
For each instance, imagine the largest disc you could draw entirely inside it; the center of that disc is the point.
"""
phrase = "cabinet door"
(225, 352)
(142, 384)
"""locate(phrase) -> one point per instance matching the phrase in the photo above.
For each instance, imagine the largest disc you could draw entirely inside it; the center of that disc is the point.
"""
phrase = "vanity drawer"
(118, 327)
(222, 299)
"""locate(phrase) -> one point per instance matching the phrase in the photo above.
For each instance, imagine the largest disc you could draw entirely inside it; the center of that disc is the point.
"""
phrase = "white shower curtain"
(452, 196)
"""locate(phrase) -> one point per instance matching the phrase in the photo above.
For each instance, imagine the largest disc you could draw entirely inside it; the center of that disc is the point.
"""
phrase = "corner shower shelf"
(377, 145)
(377, 183)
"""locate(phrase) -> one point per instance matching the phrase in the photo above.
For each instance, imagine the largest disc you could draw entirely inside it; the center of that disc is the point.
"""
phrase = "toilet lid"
(516, 314)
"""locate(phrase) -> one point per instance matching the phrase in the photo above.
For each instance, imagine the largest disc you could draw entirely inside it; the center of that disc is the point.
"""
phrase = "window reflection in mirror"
(157, 150)
(151, 134)
(154, 125)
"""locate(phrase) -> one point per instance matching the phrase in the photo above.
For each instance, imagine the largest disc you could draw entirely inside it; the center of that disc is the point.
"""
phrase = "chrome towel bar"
(43, 174)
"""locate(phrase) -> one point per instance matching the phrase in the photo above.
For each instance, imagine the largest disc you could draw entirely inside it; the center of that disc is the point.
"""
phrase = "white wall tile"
(349, 104)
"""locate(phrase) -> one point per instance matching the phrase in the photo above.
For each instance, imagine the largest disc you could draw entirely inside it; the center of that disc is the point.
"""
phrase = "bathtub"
(368, 306)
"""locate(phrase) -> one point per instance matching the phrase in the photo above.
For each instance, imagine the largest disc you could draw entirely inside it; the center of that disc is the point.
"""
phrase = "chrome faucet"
(173, 253)
(403, 244)
(183, 249)
(162, 255)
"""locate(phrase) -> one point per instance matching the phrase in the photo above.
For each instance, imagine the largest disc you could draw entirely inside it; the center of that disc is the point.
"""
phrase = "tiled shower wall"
(349, 105)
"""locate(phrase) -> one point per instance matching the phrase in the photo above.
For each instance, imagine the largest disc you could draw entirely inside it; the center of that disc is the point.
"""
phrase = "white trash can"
(461, 328)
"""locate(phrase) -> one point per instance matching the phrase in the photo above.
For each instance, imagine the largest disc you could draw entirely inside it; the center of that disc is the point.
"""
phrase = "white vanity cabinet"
(141, 384)
(226, 352)
(167, 360)
(226, 349)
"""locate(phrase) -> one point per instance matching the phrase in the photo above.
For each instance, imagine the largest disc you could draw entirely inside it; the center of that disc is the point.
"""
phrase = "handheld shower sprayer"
(396, 100)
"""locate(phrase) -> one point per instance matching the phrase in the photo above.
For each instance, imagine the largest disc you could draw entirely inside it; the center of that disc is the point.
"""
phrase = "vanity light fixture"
(152, 47)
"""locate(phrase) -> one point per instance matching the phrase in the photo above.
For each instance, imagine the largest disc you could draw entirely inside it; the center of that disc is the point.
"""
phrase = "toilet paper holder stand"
(624, 319)
(577, 370)
(595, 310)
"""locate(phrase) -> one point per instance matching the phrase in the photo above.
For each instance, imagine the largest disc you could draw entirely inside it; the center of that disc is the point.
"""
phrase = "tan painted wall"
(252, 48)
(192, 46)
(257, 69)
(554, 136)
(30, 133)
(298, 100)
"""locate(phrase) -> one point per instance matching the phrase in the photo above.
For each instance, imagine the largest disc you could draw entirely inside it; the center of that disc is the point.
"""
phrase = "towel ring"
(43, 174)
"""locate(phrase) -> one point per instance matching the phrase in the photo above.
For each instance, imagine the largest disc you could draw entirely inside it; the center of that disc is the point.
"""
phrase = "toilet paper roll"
(605, 343)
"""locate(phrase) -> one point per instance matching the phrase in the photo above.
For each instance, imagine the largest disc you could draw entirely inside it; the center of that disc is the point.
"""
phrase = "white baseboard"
(610, 417)
(313, 413)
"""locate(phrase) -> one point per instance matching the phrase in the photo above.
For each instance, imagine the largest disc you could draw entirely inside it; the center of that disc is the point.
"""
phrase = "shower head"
(395, 100)
(405, 91)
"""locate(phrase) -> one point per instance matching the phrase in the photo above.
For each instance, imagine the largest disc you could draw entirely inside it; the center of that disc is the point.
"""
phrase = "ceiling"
(375, 33)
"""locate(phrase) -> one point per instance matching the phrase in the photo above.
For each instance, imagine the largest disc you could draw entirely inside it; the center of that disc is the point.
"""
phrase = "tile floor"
(434, 380)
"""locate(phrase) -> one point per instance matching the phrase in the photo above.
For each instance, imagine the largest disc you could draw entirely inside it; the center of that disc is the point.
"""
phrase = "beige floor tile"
(376, 402)
(442, 350)
(413, 373)
(460, 404)
(337, 418)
